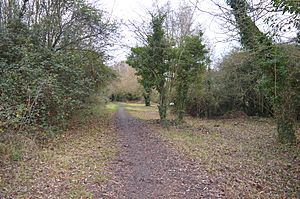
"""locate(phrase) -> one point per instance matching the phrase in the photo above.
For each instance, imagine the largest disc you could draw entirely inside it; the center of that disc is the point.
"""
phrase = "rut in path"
(147, 168)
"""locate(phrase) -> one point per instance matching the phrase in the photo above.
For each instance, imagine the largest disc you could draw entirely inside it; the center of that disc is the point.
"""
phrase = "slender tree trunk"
(285, 115)
(147, 97)
(1, 15)
(181, 101)
(147, 100)
(162, 106)
(208, 111)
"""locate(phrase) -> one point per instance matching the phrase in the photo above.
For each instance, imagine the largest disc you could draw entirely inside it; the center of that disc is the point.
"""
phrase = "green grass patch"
(98, 110)
(112, 107)
(141, 111)
(139, 107)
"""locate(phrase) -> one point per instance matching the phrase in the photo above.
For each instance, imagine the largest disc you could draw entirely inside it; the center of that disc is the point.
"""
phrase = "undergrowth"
(70, 164)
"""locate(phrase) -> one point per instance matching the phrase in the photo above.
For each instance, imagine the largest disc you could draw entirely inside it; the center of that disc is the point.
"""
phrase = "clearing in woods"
(147, 168)
(125, 153)
(225, 158)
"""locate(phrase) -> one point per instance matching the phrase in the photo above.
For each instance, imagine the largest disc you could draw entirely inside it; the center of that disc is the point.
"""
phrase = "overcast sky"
(126, 10)
(219, 39)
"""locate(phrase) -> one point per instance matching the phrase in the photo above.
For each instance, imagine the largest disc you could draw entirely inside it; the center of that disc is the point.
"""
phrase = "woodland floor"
(147, 168)
(73, 164)
(241, 157)
(129, 155)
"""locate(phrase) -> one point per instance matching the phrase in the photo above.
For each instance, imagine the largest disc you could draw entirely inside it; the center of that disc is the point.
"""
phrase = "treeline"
(52, 56)
(262, 78)
(126, 87)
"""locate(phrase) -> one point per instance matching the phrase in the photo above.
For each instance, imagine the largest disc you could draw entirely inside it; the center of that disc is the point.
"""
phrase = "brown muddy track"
(147, 168)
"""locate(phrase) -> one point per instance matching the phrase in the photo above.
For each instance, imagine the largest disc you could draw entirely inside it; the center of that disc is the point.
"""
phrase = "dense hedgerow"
(44, 78)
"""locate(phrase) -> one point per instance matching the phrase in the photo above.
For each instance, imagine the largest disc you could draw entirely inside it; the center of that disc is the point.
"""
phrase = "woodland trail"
(147, 168)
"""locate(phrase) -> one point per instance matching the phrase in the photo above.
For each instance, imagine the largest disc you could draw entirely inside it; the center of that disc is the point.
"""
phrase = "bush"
(233, 86)
(40, 88)
(124, 97)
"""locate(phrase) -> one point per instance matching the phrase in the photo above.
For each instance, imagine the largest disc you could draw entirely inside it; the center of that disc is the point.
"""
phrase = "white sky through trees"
(135, 10)
(218, 37)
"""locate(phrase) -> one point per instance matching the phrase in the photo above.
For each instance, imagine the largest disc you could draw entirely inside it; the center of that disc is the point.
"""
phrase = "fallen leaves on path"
(242, 156)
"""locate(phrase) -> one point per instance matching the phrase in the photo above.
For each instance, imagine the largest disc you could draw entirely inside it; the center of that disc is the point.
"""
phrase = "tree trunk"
(181, 101)
(286, 131)
(162, 106)
(286, 122)
(147, 97)
(1, 14)
(147, 100)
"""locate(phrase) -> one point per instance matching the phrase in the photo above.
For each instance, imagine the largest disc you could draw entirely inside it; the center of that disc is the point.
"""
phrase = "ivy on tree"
(190, 65)
(278, 70)
(152, 62)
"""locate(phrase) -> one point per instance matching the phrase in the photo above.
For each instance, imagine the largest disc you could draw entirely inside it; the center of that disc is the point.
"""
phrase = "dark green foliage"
(152, 63)
(147, 96)
(291, 6)
(251, 36)
(43, 87)
(139, 59)
(233, 86)
(239, 75)
(201, 99)
(159, 51)
(281, 66)
(42, 84)
(277, 67)
(286, 130)
(125, 97)
(190, 66)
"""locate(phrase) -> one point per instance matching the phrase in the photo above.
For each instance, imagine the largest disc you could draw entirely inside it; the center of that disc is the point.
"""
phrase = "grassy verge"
(242, 156)
(111, 107)
(143, 112)
(71, 165)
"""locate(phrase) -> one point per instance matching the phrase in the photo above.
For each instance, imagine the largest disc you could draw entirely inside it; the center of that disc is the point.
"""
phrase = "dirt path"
(147, 168)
